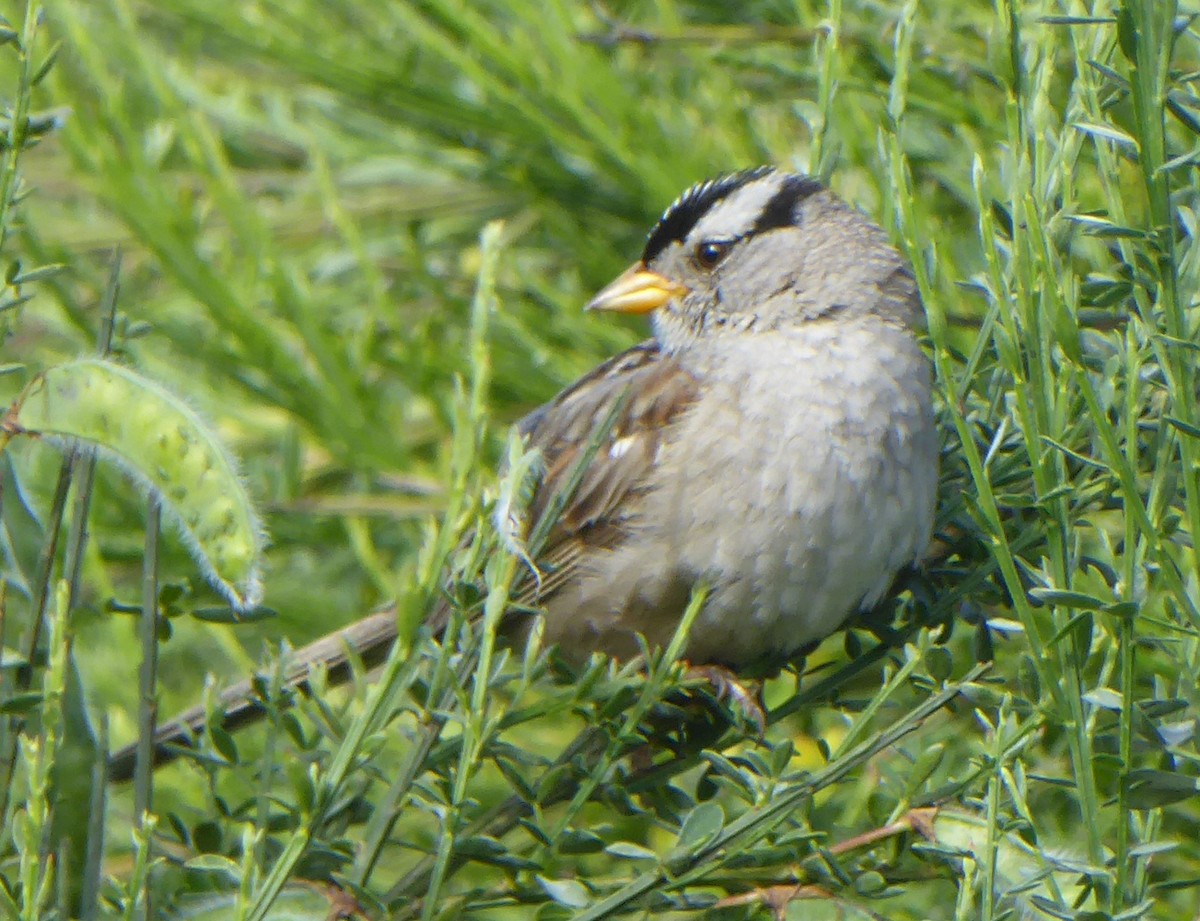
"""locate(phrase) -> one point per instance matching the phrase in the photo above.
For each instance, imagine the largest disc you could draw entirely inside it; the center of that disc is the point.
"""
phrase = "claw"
(728, 689)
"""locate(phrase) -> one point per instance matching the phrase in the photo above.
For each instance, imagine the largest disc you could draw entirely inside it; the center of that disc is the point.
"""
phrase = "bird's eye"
(710, 252)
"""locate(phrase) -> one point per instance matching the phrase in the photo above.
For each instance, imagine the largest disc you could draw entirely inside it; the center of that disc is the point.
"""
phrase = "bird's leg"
(744, 699)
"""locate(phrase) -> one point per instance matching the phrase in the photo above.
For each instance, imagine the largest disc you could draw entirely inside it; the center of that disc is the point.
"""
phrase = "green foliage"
(299, 189)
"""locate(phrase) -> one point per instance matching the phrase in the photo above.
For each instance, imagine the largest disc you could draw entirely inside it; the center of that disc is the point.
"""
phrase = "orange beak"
(636, 290)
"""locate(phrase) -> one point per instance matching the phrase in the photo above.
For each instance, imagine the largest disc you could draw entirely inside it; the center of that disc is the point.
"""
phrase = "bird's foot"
(743, 700)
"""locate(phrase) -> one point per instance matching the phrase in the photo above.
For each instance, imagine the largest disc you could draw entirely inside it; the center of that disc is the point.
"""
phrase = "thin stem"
(89, 893)
(477, 726)
(18, 125)
(143, 776)
(42, 584)
(77, 536)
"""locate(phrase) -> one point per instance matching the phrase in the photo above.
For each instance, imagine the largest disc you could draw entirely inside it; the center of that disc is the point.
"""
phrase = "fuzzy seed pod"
(167, 449)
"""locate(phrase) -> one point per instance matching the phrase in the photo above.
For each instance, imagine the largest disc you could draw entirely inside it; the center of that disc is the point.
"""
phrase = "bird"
(775, 438)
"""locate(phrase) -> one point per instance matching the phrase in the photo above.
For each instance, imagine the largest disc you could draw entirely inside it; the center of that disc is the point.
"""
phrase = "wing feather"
(654, 389)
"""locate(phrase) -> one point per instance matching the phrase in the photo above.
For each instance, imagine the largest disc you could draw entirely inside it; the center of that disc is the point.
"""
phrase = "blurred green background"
(297, 190)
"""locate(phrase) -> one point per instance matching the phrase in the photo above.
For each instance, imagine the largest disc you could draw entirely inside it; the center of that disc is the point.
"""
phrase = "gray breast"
(800, 483)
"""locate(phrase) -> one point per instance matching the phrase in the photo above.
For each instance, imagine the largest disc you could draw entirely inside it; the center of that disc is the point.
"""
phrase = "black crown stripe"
(678, 220)
(684, 213)
(780, 210)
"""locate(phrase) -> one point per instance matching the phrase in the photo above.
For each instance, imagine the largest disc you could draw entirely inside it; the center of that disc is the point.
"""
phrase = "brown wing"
(650, 389)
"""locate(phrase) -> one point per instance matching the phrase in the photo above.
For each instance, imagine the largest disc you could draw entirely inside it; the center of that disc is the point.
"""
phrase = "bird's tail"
(368, 640)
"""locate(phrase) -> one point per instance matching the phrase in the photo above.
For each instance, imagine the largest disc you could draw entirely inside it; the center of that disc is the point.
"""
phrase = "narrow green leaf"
(702, 825)
(627, 850)
(44, 68)
(213, 863)
(566, 892)
(1097, 226)
(1127, 39)
(41, 273)
(1106, 132)
(227, 615)
(1082, 458)
(1187, 428)
(1105, 698)
(1149, 789)
(21, 704)
(1066, 599)
(579, 841)
(1076, 20)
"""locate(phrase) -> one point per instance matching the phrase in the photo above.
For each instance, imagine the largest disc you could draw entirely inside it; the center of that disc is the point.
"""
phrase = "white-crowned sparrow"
(777, 437)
